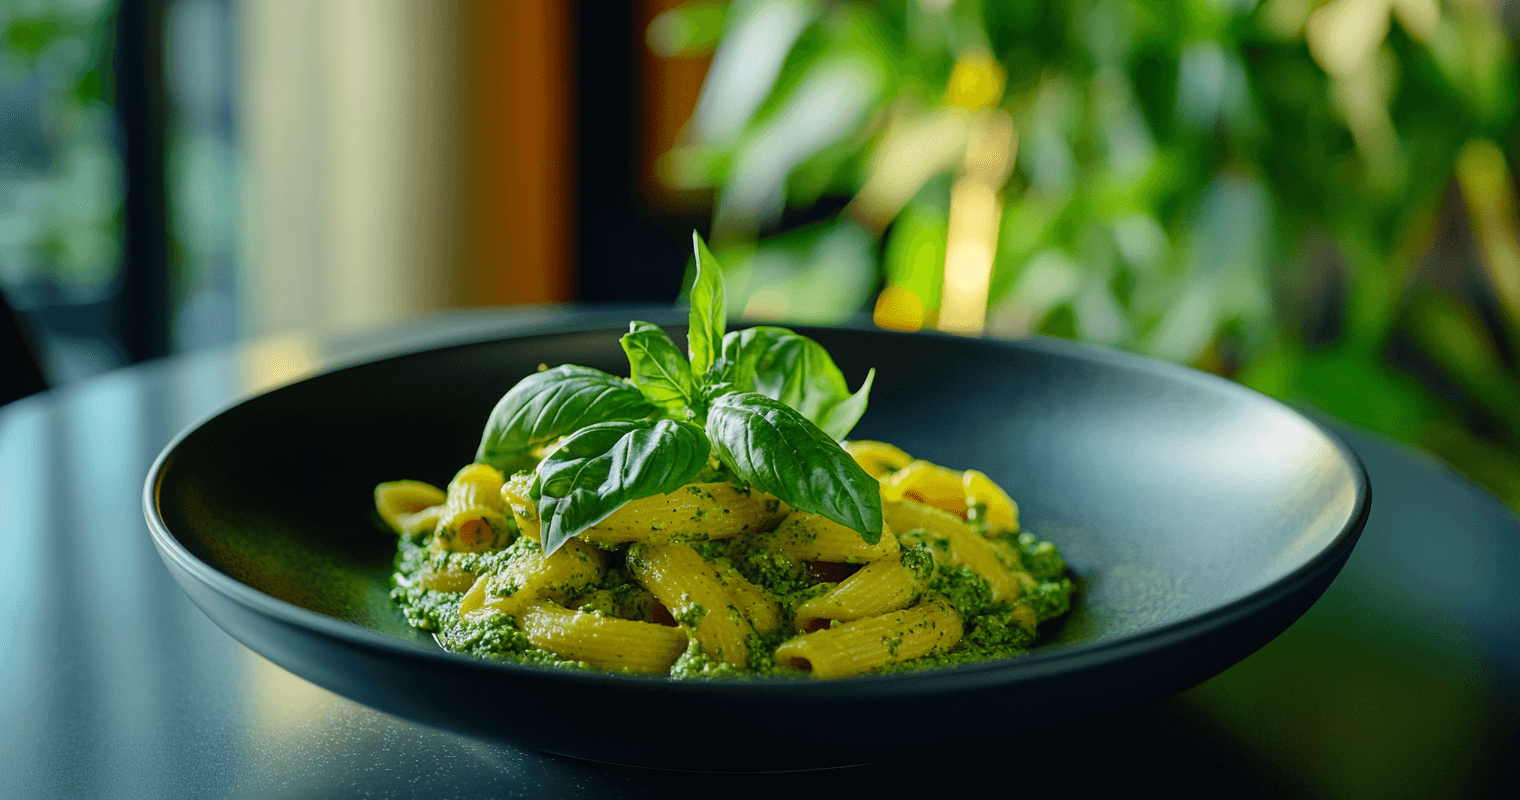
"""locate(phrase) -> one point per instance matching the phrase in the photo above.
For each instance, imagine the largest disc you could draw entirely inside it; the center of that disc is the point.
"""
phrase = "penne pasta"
(652, 588)
(695, 512)
(514, 496)
(691, 588)
(702, 518)
(763, 613)
(532, 577)
(409, 507)
(473, 518)
(877, 588)
(878, 459)
(959, 493)
(811, 537)
(447, 579)
(928, 484)
(966, 547)
(998, 509)
(874, 642)
(606, 642)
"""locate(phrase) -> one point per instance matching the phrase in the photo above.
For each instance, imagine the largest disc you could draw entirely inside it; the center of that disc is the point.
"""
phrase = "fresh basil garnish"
(771, 446)
(552, 403)
(773, 402)
(600, 467)
(841, 417)
(708, 318)
(787, 366)
(658, 368)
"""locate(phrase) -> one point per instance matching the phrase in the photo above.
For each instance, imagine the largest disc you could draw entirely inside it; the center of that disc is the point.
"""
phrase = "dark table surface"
(1403, 681)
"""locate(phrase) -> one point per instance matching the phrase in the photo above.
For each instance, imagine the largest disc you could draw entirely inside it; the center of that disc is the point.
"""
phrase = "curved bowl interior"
(1200, 519)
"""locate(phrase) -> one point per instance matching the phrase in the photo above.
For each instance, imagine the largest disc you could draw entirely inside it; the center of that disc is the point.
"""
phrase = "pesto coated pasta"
(714, 579)
(705, 518)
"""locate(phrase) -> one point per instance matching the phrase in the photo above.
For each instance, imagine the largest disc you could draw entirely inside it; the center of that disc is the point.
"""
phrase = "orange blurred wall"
(520, 175)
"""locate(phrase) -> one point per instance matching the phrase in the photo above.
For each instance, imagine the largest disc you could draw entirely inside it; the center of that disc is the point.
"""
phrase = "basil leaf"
(550, 404)
(787, 366)
(708, 318)
(775, 449)
(840, 419)
(600, 467)
(659, 369)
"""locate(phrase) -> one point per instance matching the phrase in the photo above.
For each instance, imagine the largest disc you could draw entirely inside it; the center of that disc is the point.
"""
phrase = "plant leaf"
(603, 466)
(771, 446)
(549, 404)
(708, 318)
(787, 366)
(658, 368)
(841, 417)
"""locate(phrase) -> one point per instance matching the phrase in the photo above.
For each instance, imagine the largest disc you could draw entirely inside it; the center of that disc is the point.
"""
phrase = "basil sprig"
(600, 467)
(552, 403)
(708, 318)
(773, 448)
(659, 369)
(769, 404)
(796, 370)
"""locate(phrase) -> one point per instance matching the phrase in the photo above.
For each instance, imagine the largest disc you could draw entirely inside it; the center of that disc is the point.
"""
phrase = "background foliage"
(60, 184)
(1312, 198)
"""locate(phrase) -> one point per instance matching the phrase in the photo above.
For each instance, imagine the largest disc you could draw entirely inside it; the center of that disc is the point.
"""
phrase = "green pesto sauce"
(966, 590)
(990, 631)
(494, 636)
(1041, 559)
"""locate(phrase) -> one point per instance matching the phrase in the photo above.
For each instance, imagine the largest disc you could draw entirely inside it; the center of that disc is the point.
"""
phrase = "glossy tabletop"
(1403, 681)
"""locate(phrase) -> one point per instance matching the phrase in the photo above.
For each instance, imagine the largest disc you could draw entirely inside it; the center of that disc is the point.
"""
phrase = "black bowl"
(1200, 518)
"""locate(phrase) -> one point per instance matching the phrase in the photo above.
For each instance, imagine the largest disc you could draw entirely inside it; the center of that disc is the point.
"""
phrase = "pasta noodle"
(447, 579)
(763, 613)
(601, 641)
(959, 493)
(532, 577)
(409, 507)
(879, 459)
(473, 518)
(874, 642)
(686, 584)
(692, 513)
(879, 587)
(810, 537)
(716, 579)
(963, 545)
(695, 512)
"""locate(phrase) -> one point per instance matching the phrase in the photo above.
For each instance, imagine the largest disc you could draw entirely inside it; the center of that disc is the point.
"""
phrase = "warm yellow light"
(974, 214)
(976, 81)
(976, 210)
(899, 308)
(274, 360)
(1344, 34)
(916, 146)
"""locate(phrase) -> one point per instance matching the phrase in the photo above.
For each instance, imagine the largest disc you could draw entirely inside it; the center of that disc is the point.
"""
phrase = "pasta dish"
(706, 517)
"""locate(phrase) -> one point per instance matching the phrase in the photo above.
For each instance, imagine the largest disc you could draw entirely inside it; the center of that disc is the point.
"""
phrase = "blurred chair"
(20, 372)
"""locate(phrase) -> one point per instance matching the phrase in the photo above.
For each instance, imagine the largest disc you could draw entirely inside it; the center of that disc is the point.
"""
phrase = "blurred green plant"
(60, 177)
(1312, 198)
